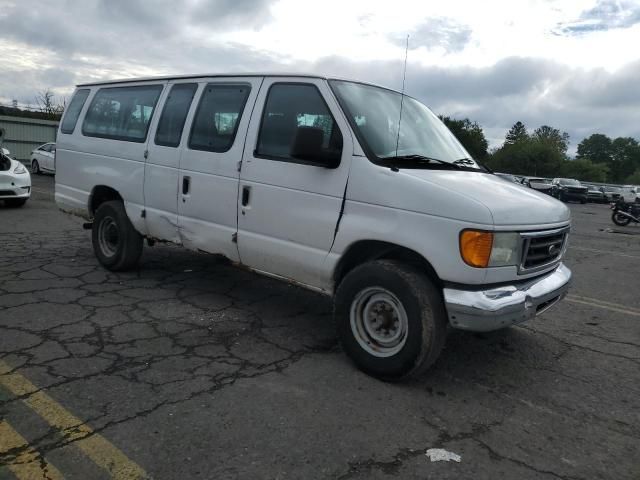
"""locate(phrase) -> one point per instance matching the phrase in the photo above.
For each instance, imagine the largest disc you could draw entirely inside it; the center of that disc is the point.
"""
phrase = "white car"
(15, 181)
(629, 194)
(316, 181)
(43, 159)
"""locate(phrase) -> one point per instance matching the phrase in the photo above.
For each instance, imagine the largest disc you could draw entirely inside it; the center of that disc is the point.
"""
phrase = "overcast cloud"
(575, 67)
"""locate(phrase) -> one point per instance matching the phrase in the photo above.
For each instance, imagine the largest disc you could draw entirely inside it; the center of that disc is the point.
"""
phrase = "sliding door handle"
(246, 195)
(186, 184)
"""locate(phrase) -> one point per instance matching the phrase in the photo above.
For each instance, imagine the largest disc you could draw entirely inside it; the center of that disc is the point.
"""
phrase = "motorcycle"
(625, 213)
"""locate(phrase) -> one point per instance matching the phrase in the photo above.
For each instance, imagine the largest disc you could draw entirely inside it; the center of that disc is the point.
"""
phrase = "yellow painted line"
(28, 464)
(593, 302)
(96, 447)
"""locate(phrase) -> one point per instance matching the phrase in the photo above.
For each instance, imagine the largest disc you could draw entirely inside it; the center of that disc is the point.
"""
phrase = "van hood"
(508, 203)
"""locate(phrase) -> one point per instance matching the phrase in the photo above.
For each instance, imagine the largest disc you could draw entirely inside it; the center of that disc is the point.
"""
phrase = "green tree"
(517, 133)
(597, 148)
(584, 169)
(634, 179)
(539, 154)
(470, 135)
(625, 158)
(552, 136)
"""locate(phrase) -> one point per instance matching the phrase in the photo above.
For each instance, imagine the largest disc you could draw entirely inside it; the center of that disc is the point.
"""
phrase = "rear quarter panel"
(84, 162)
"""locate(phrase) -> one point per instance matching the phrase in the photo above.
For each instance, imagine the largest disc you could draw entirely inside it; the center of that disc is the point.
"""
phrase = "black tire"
(15, 202)
(116, 244)
(561, 197)
(35, 167)
(426, 319)
(620, 220)
(583, 201)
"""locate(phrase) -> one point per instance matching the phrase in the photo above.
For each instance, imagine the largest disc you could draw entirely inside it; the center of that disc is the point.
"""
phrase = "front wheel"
(390, 319)
(620, 220)
(116, 244)
(35, 167)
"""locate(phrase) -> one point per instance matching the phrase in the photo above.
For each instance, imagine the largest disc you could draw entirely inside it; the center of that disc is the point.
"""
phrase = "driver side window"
(296, 122)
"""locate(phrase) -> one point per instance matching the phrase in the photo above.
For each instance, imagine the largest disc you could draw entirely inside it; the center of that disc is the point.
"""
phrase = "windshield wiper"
(410, 161)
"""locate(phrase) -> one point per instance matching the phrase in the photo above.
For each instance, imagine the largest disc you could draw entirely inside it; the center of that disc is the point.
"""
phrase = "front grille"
(7, 193)
(576, 190)
(542, 249)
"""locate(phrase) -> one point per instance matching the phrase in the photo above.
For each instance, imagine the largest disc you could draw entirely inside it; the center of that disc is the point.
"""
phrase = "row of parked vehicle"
(569, 189)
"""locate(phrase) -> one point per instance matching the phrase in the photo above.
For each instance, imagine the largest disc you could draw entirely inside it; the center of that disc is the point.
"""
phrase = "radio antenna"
(404, 77)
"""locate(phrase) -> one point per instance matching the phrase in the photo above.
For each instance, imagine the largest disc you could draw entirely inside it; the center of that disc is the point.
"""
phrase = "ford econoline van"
(346, 188)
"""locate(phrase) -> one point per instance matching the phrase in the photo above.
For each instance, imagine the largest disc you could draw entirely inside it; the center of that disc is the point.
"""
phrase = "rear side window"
(216, 121)
(121, 113)
(174, 114)
(289, 108)
(73, 111)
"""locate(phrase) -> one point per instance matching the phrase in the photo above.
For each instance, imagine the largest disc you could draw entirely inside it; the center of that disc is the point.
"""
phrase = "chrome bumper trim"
(486, 310)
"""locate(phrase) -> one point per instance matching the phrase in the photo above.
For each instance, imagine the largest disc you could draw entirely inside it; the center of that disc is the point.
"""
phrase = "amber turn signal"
(475, 247)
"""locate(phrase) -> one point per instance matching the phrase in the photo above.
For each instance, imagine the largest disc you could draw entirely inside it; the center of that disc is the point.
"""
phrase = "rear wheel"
(35, 167)
(620, 220)
(390, 319)
(116, 244)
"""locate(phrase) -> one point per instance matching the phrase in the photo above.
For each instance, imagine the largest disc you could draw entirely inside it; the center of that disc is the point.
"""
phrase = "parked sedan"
(612, 194)
(567, 189)
(43, 159)
(542, 185)
(629, 194)
(15, 181)
(594, 194)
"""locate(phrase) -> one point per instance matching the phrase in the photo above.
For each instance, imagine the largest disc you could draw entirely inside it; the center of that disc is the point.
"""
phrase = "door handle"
(246, 195)
(186, 183)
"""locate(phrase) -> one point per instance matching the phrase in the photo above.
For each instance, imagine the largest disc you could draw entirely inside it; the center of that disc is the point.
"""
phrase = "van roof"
(226, 75)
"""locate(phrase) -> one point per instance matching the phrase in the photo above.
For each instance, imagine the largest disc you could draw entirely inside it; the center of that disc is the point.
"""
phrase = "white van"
(306, 178)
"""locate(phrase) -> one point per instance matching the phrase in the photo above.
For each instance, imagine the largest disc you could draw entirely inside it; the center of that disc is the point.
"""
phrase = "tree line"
(543, 153)
(45, 107)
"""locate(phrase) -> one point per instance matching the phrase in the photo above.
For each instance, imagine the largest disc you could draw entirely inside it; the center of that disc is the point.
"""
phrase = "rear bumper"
(486, 310)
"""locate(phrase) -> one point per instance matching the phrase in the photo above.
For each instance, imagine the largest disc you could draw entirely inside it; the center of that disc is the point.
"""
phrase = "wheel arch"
(99, 195)
(367, 250)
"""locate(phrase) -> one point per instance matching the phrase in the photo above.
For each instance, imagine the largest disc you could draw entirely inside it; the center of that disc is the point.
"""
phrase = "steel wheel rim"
(108, 236)
(379, 322)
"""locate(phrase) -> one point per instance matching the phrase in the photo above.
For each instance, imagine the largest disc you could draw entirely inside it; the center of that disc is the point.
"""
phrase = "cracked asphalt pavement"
(194, 369)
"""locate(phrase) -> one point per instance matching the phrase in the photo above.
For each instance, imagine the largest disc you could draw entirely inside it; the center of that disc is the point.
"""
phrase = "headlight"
(20, 169)
(489, 249)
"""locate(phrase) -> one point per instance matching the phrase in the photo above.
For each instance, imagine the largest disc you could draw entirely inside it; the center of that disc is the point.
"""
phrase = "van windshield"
(424, 141)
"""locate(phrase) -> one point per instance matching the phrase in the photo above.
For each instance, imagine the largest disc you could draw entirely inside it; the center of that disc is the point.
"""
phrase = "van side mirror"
(307, 146)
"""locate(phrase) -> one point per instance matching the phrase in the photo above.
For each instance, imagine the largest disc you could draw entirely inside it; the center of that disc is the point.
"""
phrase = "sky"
(571, 64)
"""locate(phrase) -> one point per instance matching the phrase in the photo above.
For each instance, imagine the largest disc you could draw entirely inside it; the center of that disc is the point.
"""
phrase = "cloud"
(533, 90)
(228, 14)
(606, 15)
(44, 46)
(437, 32)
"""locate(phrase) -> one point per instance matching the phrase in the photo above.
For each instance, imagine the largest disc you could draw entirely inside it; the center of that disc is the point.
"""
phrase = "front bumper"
(500, 307)
(14, 186)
